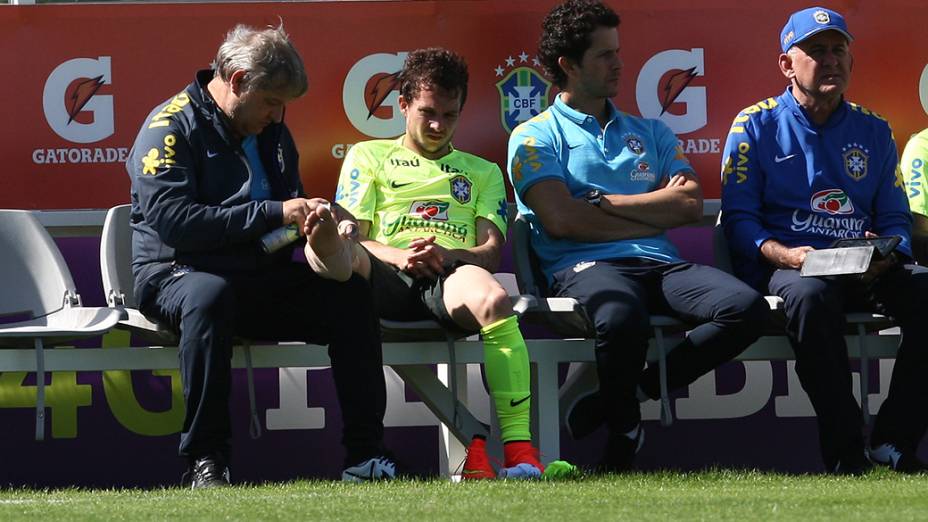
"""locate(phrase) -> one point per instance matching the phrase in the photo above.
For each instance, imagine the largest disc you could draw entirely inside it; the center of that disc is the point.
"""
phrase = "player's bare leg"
(476, 300)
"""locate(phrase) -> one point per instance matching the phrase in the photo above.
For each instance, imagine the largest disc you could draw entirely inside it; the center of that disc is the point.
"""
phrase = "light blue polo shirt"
(260, 186)
(630, 155)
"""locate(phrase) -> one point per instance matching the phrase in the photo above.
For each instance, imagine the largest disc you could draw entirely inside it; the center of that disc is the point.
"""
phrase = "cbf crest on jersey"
(634, 144)
(460, 189)
(856, 159)
(523, 93)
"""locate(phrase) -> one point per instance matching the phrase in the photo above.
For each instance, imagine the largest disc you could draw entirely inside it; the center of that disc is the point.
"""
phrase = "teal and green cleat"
(561, 469)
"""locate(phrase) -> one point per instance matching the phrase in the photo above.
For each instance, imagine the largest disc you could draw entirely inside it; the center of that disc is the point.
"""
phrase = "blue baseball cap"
(805, 23)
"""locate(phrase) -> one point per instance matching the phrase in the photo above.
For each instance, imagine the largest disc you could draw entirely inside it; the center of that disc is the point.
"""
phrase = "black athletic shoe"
(206, 472)
(621, 451)
(853, 464)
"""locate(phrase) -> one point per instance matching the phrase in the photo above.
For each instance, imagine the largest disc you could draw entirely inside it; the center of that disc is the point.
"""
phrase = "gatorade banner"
(83, 77)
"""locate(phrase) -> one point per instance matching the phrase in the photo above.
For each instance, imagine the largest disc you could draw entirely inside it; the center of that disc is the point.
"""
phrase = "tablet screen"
(884, 244)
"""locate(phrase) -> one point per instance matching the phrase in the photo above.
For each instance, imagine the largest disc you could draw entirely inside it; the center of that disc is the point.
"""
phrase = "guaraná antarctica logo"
(523, 90)
(430, 210)
(832, 201)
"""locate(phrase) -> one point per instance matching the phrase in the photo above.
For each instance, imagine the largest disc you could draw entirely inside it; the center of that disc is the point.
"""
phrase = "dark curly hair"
(566, 32)
(430, 68)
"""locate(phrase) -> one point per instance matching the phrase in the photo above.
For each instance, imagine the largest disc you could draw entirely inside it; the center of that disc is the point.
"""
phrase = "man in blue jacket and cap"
(800, 171)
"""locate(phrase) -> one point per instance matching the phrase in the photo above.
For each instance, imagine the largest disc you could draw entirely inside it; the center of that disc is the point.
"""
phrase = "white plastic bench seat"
(67, 323)
(544, 354)
(37, 289)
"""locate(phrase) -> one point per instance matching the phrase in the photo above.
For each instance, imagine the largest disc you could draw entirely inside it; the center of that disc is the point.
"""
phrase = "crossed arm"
(563, 216)
(676, 203)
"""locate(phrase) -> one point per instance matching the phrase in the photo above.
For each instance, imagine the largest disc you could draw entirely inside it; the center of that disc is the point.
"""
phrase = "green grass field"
(714, 495)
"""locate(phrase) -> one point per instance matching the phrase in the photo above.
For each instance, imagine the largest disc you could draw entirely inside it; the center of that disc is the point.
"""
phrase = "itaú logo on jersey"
(656, 90)
(832, 201)
(71, 93)
(371, 95)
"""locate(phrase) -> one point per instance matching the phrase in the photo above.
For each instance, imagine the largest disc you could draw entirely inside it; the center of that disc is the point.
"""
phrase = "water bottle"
(283, 236)
(279, 238)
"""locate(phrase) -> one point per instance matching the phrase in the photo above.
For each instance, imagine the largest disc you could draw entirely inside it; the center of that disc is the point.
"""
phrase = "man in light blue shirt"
(587, 157)
(600, 188)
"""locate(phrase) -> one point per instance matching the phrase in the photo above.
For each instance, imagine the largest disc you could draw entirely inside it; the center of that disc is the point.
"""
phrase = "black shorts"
(401, 297)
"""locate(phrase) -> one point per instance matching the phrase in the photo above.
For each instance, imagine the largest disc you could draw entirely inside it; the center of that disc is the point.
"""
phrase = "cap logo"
(788, 38)
(821, 17)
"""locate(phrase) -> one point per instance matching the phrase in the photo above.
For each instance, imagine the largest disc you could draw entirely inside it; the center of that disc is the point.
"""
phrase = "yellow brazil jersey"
(406, 196)
(914, 166)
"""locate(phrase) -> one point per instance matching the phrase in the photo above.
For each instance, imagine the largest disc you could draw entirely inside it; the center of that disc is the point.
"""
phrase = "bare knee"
(494, 305)
(475, 298)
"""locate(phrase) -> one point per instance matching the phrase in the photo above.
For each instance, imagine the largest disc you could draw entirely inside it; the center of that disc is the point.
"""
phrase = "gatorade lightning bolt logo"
(81, 94)
(381, 88)
(832, 201)
(73, 105)
(674, 85)
(370, 97)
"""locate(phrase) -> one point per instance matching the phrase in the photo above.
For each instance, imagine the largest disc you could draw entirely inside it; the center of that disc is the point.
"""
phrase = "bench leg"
(439, 400)
(39, 390)
(666, 414)
(547, 419)
(864, 373)
(452, 451)
(254, 425)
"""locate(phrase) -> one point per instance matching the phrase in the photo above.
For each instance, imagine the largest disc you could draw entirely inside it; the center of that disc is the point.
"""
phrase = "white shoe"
(898, 459)
(376, 468)
(885, 454)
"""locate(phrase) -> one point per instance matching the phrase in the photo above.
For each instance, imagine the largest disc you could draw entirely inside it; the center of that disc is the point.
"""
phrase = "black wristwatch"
(594, 197)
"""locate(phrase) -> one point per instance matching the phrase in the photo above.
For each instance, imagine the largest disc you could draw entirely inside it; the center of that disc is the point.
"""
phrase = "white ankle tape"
(337, 266)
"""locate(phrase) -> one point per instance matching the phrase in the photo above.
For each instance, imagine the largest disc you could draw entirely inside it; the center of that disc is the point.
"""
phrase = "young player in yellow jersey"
(914, 166)
(433, 222)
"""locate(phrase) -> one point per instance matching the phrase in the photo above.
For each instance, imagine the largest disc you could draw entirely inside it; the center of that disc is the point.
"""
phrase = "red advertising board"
(81, 78)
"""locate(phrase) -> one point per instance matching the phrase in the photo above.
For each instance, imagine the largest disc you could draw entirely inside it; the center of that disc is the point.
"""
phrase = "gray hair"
(266, 55)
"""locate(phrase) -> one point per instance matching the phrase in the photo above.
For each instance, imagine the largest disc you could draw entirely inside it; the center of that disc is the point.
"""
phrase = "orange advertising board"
(81, 78)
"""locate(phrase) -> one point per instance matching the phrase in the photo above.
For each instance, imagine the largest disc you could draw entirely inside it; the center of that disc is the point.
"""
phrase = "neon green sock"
(508, 376)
